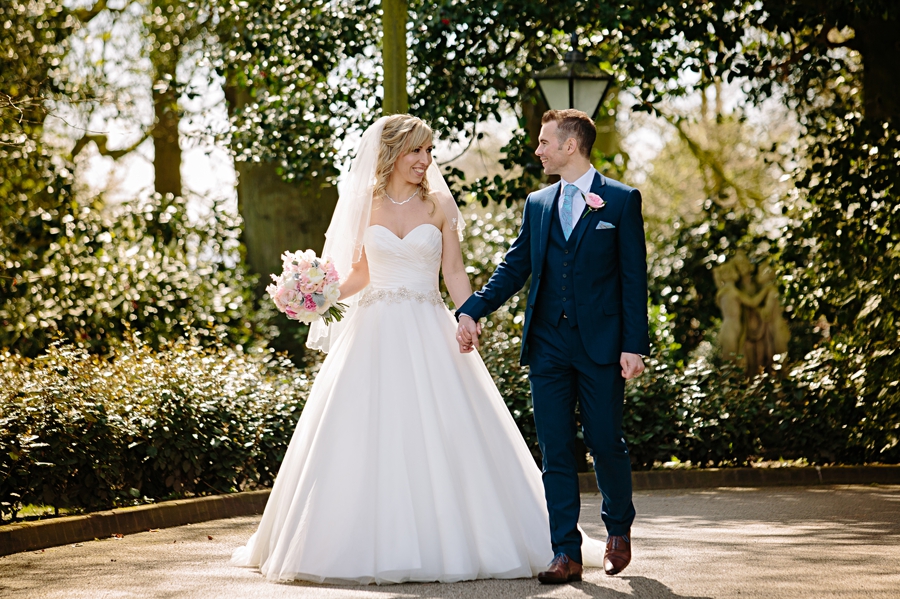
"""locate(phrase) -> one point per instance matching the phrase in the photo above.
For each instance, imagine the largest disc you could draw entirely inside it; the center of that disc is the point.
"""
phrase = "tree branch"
(707, 158)
(101, 141)
(84, 15)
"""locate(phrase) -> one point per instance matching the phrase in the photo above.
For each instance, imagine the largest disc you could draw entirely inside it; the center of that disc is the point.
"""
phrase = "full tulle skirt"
(405, 466)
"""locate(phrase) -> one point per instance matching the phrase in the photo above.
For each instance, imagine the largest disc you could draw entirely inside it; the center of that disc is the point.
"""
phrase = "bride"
(406, 464)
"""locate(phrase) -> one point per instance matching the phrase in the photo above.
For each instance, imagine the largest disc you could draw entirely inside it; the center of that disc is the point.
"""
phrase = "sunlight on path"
(790, 542)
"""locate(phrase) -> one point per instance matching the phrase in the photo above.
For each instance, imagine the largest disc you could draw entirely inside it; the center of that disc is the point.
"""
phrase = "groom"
(582, 243)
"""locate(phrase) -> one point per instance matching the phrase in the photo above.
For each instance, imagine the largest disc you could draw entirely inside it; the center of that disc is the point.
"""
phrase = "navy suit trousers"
(562, 376)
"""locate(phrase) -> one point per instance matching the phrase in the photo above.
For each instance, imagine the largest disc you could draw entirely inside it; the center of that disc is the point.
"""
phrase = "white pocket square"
(605, 225)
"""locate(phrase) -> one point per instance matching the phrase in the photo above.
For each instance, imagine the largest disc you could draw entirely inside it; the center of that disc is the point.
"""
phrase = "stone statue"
(732, 303)
(770, 311)
(745, 270)
(753, 329)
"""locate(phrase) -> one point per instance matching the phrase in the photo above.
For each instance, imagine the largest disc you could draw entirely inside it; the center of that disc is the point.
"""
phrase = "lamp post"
(574, 83)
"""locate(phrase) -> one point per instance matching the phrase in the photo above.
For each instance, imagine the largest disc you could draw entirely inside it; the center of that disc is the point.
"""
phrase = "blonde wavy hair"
(402, 133)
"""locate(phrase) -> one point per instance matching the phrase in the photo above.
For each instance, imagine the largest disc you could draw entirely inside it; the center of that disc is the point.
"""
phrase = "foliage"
(481, 58)
(843, 258)
(649, 417)
(310, 71)
(834, 63)
(87, 432)
(681, 270)
(716, 187)
(708, 413)
(692, 405)
(312, 68)
(91, 277)
(80, 271)
(33, 34)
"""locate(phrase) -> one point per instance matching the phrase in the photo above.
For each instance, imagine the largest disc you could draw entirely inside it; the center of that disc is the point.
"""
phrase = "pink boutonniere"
(594, 202)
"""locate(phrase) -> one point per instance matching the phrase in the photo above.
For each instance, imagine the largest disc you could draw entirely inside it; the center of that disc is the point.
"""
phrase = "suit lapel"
(587, 219)
(547, 205)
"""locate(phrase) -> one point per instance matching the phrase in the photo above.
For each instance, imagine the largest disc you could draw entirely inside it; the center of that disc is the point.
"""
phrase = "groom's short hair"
(576, 124)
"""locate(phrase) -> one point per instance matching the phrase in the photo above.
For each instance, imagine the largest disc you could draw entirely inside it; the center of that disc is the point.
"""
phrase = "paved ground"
(789, 542)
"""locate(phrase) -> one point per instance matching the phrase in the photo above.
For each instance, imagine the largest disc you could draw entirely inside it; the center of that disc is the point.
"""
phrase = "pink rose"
(331, 275)
(594, 201)
(310, 305)
(283, 296)
(302, 284)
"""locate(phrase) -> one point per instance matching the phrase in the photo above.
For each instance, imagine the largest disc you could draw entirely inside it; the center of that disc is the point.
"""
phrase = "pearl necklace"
(393, 201)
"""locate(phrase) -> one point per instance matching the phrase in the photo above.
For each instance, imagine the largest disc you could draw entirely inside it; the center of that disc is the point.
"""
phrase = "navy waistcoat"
(556, 294)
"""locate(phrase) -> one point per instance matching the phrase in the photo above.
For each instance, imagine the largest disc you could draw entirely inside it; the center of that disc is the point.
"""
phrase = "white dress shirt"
(584, 184)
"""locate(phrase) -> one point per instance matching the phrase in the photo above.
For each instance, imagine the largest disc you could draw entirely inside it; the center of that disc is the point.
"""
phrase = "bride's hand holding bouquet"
(307, 289)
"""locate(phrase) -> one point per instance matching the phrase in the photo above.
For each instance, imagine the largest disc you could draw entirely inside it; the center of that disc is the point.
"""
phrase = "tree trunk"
(393, 53)
(279, 216)
(166, 149)
(881, 55)
(165, 36)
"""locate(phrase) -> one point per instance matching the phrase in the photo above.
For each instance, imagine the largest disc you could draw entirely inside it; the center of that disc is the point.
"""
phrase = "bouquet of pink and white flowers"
(307, 289)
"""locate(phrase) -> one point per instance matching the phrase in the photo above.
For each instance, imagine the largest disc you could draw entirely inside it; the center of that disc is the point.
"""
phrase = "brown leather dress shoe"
(618, 554)
(561, 571)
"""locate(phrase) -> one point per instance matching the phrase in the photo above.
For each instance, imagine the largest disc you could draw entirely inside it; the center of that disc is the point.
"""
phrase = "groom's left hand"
(632, 365)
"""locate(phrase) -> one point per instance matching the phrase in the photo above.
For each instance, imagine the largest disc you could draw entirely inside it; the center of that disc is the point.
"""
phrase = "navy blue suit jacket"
(610, 271)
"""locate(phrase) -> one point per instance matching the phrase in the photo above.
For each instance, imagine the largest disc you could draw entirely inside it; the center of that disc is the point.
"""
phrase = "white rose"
(316, 276)
(332, 293)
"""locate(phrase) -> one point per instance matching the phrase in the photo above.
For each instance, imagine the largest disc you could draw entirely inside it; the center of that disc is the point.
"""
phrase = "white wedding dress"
(406, 464)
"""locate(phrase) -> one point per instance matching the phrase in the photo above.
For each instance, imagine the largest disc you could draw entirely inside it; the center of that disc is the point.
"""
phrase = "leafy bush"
(842, 256)
(85, 432)
(92, 276)
(694, 406)
(680, 269)
(710, 414)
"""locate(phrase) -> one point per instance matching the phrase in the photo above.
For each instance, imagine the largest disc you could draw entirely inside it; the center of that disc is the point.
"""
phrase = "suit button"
(564, 299)
(564, 276)
(565, 263)
(531, 306)
(564, 288)
(567, 251)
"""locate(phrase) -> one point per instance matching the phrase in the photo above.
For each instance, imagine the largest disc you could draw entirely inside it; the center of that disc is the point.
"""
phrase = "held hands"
(467, 334)
(632, 365)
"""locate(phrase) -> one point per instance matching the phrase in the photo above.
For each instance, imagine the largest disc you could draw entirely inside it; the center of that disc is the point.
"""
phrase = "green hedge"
(696, 408)
(709, 414)
(93, 275)
(79, 431)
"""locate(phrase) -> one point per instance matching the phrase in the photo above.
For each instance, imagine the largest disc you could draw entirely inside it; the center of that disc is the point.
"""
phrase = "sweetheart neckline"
(408, 232)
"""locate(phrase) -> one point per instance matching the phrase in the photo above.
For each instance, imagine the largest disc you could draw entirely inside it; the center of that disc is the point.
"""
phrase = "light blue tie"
(565, 218)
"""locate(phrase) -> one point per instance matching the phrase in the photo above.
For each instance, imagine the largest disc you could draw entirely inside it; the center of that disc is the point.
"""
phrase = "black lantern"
(574, 83)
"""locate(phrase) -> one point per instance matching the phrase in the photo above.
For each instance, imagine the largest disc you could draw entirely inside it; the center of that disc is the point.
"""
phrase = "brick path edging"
(652, 480)
(40, 534)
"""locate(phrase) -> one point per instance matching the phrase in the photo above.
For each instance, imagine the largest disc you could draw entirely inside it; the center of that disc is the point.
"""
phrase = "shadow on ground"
(791, 542)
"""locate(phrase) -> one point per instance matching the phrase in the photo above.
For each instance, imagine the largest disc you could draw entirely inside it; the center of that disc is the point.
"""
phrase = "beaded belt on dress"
(399, 294)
